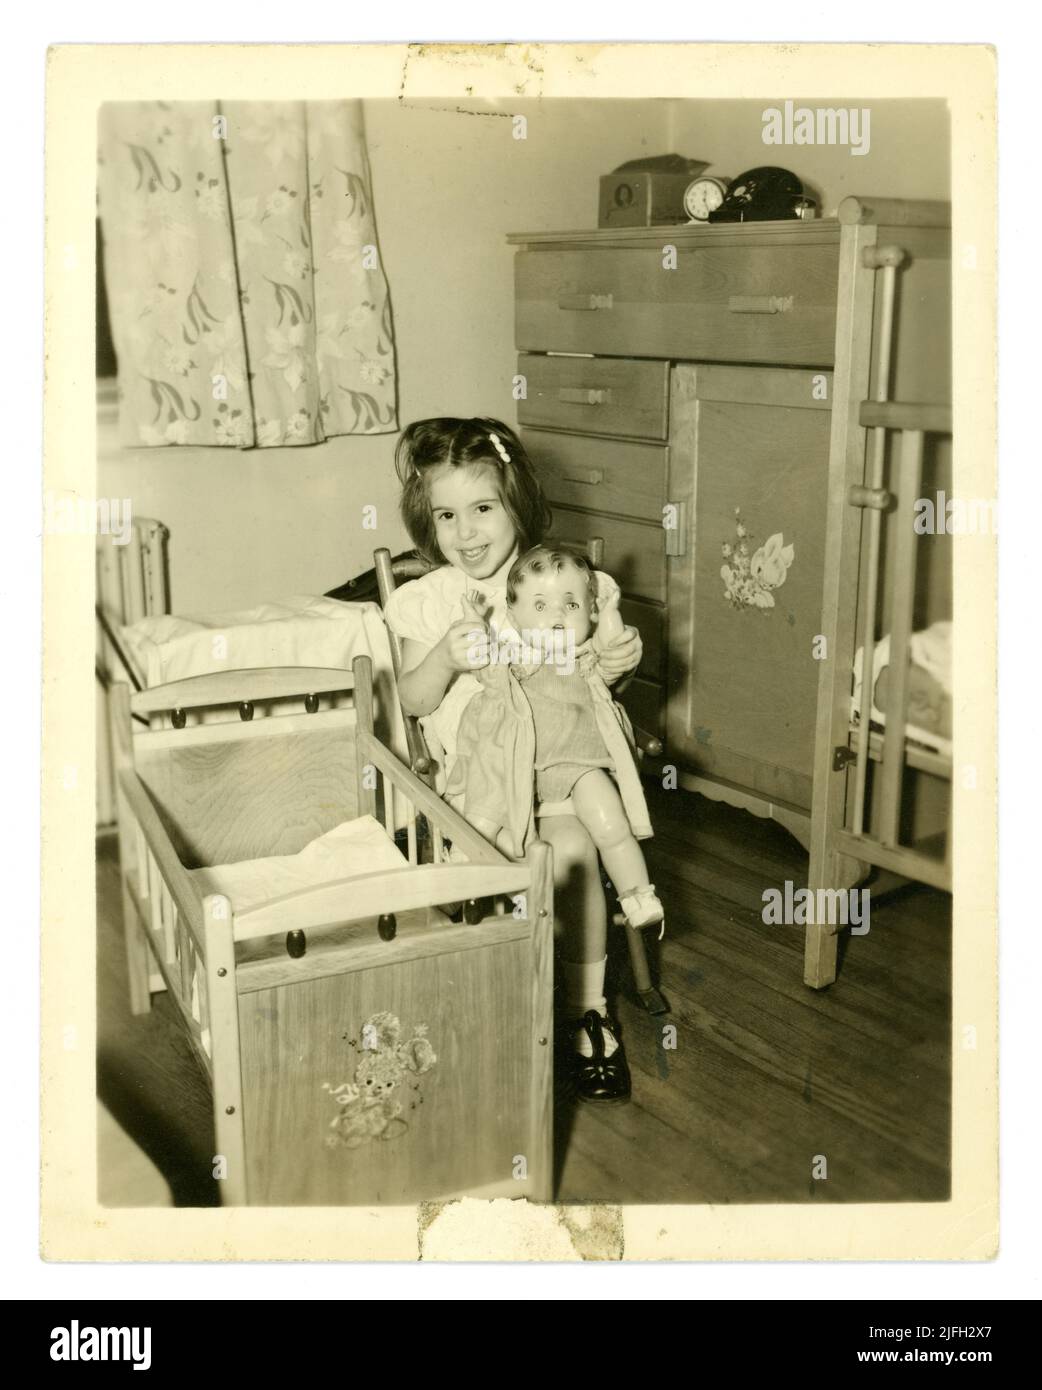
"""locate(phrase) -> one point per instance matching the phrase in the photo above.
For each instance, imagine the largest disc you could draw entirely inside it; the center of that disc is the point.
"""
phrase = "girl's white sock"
(584, 990)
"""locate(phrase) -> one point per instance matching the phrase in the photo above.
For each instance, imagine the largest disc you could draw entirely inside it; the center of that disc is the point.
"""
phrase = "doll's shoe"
(598, 1077)
(642, 908)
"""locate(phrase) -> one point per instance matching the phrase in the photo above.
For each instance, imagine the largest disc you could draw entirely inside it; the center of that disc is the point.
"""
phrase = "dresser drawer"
(606, 396)
(762, 302)
(634, 551)
(610, 474)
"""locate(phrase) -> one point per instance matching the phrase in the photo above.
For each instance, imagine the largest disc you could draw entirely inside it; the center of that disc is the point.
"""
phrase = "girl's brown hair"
(429, 444)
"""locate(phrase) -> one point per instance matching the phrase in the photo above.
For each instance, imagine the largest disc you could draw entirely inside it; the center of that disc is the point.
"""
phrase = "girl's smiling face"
(474, 531)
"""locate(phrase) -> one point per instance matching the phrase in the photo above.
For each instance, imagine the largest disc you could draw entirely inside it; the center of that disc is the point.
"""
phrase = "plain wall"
(908, 154)
(448, 185)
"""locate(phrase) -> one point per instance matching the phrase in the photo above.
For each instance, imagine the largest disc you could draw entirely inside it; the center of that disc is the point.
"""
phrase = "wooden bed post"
(850, 383)
(541, 915)
(221, 990)
(136, 943)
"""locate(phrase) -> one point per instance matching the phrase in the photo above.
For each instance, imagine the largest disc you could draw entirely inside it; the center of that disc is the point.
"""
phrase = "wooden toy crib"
(362, 1046)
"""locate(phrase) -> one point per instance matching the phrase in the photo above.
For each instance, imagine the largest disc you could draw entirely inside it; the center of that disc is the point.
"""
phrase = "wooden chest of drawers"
(676, 398)
(747, 294)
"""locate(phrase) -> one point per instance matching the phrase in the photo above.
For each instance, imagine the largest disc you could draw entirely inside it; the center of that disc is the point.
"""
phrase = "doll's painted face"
(557, 599)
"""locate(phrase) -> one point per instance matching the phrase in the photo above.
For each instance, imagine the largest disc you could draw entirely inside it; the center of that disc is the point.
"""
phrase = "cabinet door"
(748, 468)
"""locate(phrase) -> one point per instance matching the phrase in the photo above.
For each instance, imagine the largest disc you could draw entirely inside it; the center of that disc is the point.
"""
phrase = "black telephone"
(767, 194)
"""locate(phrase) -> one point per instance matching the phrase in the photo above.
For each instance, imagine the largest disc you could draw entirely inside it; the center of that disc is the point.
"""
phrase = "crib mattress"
(350, 850)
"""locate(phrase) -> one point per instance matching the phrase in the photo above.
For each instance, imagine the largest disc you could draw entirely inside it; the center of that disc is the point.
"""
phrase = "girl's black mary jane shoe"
(599, 1078)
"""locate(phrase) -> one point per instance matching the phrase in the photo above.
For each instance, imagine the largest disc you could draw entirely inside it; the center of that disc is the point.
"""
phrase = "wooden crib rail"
(399, 782)
(239, 687)
(381, 894)
(906, 415)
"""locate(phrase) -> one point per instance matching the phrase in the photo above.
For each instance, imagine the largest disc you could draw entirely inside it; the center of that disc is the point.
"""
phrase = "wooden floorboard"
(768, 1077)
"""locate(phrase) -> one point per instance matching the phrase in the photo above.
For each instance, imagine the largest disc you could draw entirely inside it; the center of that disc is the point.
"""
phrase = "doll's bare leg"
(599, 806)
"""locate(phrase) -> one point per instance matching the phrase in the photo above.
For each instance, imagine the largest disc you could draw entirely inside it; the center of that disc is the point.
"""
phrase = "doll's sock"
(583, 990)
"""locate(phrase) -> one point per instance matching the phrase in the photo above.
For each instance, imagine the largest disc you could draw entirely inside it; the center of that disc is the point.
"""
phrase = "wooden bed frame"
(852, 830)
(277, 999)
(132, 582)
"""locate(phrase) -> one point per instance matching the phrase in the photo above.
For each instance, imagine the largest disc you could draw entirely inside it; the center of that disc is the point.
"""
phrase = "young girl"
(471, 504)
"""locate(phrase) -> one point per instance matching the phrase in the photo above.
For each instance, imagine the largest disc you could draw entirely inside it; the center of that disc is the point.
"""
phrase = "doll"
(544, 709)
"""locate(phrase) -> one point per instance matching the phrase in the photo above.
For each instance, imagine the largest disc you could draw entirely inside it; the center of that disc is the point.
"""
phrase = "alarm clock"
(766, 194)
(647, 192)
(703, 196)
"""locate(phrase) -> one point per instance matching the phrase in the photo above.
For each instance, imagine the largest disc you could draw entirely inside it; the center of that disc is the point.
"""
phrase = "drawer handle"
(760, 303)
(584, 395)
(585, 301)
(592, 478)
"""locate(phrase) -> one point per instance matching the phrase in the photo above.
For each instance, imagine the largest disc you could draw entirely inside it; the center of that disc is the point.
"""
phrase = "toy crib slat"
(157, 841)
(169, 915)
(443, 819)
(133, 578)
(153, 536)
(204, 1002)
(155, 910)
(395, 890)
(235, 687)
(185, 957)
(910, 464)
(167, 977)
(140, 861)
(410, 830)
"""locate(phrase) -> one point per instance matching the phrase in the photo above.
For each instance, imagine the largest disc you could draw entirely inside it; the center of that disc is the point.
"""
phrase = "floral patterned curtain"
(247, 298)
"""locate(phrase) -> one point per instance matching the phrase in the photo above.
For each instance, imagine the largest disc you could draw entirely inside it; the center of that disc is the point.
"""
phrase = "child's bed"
(881, 799)
(895, 726)
(361, 1045)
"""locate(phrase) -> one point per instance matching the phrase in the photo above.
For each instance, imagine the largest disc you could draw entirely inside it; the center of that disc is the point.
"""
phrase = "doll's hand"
(621, 657)
(610, 627)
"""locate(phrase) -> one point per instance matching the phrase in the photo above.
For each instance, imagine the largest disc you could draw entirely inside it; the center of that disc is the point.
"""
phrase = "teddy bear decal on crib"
(368, 1106)
(749, 579)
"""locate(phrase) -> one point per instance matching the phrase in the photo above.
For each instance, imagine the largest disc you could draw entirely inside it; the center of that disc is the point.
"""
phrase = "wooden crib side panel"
(249, 798)
(334, 1111)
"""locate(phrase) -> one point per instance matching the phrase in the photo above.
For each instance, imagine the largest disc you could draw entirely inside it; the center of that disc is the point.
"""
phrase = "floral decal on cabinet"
(750, 575)
(372, 1105)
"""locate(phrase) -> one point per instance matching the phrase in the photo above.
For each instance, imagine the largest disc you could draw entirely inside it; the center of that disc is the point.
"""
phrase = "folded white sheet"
(930, 649)
(304, 630)
(350, 850)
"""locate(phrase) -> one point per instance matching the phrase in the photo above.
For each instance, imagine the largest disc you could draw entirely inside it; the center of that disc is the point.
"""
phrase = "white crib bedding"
(352, 849)
(303, 630)
(931, 663)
